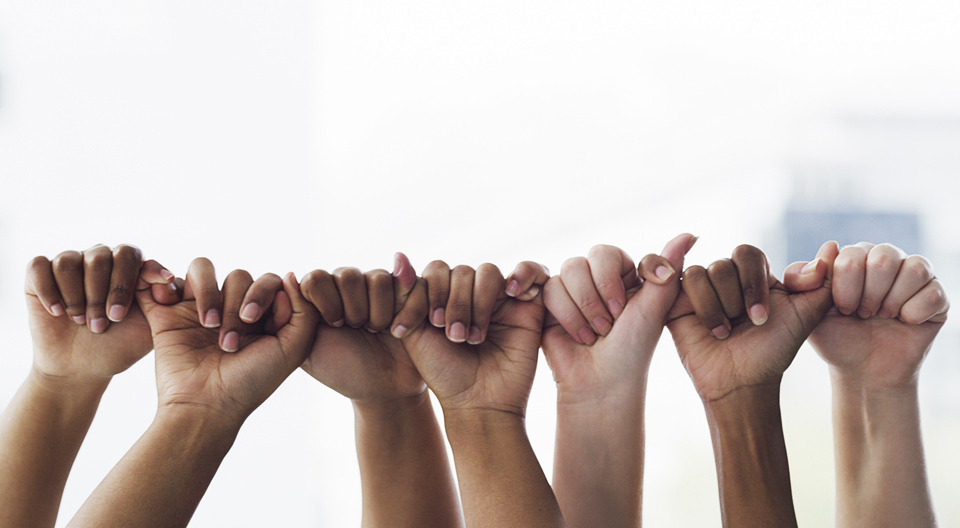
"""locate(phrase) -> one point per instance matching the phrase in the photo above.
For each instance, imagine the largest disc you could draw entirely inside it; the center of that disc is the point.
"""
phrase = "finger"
(849, 272)
(460, 303)
(488, 286)
(201, 284)
(296, 336)
(526, 280)
(280, 313)
(656, 301)
(151, 272)
(127, 260)
(562, 307)
(97, 267)
(68, 271)
(754, 274)
(929, 304)
(437, 275)
(380, 299)
(319, 288)
(608, 266)
(915, 273)
(578, 281)
(353, 293)
(166, 294)
(404, 280)
(41, 282)
(414, 310)
(259, 297)
(808, 276)
(232, 329)
(725, 280)
(699, 290)
(883, 264)
(656, 269)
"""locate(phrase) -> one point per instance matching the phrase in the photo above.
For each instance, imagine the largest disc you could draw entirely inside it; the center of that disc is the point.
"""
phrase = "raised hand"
(887, 309)
(479, 358)
(605, 319)
(213, 369)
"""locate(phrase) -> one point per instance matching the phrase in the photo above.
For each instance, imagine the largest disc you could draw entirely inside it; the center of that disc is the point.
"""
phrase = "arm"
(601, 373)
(205, 392)
(77, 350)
(888, 309)
(398, 438)
(479, 358)
(737, 329)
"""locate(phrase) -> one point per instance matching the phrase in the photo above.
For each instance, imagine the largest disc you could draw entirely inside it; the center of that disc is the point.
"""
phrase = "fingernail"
(337, 324)
(664, 273)
(80, 319)
(172, 287)
(166, 274)
(439, 318)
(57, 310)
(458, 332)
(531, 293)
(396, 264)
(231, 342)
(691, 243)
(601, 325)
(98, 325)
(615, 308)
(845, 311)
(863, 313)
(586, 336)
(884, 313)
(250, 312)
(371, 330)
(116, 313)
(399, 331)
(810, 267)
(475, 336)
(720, 332)
(212, 320)
(513, 289)
(758, 314)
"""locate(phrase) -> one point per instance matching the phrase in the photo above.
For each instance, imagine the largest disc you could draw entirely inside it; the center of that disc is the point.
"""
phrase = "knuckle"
(590, 305)
(201, 262)
(121, 292)
(600, 250)
(919, 268)
(316, 276)
(127, 253)
(572, 264)
(463, 270)
(459, 308)
(347, 274)
(746, 251)
(270, 277)
(96, 306)
(37, 263)
(695, 274)
(488, 269)
(609, 285)
(721, 268)
(240, 274)
(435, 267)
(379, 278)
(883, 258)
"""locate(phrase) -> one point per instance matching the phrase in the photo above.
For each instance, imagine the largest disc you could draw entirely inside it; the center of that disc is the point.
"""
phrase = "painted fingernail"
(810, 267)
(863, 313)
(98, 325)
(250, 312)
(439, 318)
(720, 332)
(884, 313)
(337, 324)
(458, 332)
(586, 336)
(664, 273)
(80, 319)
(116, 313)
(602, 326)
(758, 314)
(615, 307)
(475, 336)
(165, 273)
(231, 342)
(57, 310)
(513, 289)
(212, 320)
(399, 331)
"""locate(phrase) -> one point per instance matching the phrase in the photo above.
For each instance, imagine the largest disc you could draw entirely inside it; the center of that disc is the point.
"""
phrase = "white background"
(291, 135)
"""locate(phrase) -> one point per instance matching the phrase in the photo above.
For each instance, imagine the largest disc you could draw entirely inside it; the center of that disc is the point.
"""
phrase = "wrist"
(187, 420)
(847, 380)
(460, 423)
(383, 407)
(67, 388)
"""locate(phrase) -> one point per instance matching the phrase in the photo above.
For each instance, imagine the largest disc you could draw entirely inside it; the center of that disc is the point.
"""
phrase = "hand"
(362, 360)
(735, 325)
(83, 320)
(888, 308)
(601, 295)
(481, 352)
(267, 331)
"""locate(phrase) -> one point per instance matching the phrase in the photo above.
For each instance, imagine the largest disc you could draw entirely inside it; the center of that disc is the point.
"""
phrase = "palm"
(362, 366)
(496, 374)
(64, 348)
(752, 355)
(886, 352)
(193, 370)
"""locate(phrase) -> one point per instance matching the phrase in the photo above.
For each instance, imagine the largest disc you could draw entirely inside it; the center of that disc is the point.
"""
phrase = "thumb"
(656, 298)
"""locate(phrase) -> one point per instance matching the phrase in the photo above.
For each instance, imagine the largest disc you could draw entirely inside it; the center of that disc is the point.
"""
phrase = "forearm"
(751, 458)
(40, 434)
(881, 474)
(404, 470)
(598, 462)
(160, 481)
(501, 481)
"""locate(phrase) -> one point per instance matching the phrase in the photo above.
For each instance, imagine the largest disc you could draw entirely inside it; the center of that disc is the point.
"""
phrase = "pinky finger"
(41, 282)
(281, 312)
(656, 269)
(526, 281)
(414, 310)
(151, 272)
(928, 305)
